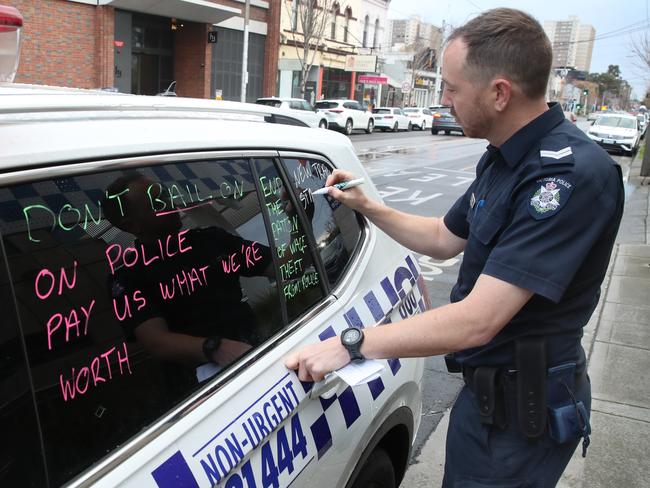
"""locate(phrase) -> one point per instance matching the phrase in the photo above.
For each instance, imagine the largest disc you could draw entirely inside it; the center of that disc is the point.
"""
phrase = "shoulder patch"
(555, 149)
(548, 197)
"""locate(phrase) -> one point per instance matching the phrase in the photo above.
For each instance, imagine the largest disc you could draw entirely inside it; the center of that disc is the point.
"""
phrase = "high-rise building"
(572, 42)
(413, 31)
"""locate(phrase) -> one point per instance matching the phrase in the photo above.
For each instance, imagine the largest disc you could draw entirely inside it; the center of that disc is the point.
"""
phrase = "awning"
(194, 10)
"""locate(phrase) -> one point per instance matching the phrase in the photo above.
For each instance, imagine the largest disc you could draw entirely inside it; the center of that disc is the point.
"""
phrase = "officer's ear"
(502, 93)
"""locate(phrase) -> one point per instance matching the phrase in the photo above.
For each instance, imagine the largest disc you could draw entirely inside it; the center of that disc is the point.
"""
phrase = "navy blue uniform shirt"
(542, 214)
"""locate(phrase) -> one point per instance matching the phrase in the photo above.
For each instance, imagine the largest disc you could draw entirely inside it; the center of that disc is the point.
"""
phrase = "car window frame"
(118, 456)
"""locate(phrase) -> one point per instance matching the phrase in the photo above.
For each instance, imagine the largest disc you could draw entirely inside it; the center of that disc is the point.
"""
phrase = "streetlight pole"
(244, 63)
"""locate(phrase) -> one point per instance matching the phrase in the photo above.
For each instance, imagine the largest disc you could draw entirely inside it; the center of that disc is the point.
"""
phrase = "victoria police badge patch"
(549, 196)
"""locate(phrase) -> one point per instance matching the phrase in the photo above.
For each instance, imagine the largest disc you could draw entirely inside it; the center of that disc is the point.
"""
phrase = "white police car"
(158, 263)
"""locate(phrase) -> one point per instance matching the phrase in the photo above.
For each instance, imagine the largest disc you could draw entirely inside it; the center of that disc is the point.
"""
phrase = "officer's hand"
(229, 351)
(314, 361)
(354, 197)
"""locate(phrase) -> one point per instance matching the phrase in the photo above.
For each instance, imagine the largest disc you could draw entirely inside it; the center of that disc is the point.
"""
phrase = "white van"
(137, 231)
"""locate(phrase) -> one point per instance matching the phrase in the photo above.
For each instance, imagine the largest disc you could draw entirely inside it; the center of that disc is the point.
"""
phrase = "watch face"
(351, 336)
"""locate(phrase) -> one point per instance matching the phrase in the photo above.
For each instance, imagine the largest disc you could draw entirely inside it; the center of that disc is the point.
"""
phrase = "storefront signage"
(373, 80)
(212, 37)
(364, 63)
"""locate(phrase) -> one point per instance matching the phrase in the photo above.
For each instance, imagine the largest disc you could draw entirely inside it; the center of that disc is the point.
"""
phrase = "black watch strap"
(210, 345)
(352, 338)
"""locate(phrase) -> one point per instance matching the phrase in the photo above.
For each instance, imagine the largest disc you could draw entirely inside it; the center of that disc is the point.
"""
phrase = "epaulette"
(555, 149)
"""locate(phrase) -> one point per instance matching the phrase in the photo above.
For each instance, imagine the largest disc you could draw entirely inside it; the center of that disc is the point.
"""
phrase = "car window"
(301, 285)
(351, 105)
(336, 228)
(21, 458)
(296, 105)
(326, 105)
(380, 110)
(444, 110)
(623, 122)
(306, 106)
(411, 110)
(426, 111)
(270, 103)
(398, 111)
(114, 273)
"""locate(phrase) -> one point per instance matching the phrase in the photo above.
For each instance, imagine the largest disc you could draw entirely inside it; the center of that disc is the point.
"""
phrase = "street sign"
(406, 86)
(212, 37)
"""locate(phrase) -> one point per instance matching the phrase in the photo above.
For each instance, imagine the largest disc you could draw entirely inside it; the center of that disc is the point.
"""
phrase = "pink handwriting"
(70, 321)
(116, 254)
(251, 255)
(45, 280)
(91, 375)
(184, 282)
(137, 297)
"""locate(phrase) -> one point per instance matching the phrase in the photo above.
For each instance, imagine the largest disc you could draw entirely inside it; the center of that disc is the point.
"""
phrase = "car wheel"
(395, 127)
(424, 125)
(371, 126)
(410, 127)
(322, 124)
(377, 472)
(348, 127)
(447, 132)
(434, 132)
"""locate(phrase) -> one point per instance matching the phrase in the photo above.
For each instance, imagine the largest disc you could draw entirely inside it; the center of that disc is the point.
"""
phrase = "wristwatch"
(210, 345)
(352, 338)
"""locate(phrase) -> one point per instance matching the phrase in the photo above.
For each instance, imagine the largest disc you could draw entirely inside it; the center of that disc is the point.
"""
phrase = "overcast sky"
(606, 16)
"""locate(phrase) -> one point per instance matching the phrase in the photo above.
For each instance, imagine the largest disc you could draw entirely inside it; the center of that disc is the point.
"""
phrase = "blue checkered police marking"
(174, 473)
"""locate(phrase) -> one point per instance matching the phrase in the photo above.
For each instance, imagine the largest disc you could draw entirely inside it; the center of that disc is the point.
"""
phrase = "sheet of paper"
(207, 370)
(359, 373)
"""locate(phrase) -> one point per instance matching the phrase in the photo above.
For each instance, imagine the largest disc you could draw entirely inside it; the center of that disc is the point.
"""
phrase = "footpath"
(617, 343)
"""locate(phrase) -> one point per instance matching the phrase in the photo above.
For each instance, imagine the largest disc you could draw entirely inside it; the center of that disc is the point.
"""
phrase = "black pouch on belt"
(488, 390)
(530, 358)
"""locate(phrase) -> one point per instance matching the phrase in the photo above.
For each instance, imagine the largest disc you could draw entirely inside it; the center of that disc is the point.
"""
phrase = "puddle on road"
(374, 155)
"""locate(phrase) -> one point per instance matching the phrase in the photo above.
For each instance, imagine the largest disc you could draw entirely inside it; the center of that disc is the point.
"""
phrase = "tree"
(309, 22)
(641, 50)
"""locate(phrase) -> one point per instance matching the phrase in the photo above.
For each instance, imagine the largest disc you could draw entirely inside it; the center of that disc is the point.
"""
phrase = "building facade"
(142, 46)
(572, 43)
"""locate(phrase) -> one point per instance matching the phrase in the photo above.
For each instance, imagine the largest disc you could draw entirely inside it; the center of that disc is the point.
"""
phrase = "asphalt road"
(424, 174)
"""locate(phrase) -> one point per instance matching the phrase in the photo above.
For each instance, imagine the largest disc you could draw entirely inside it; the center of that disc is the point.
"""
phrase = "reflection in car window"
(326, 105)
(21, 460)
(270, 103)
(381, 111)
(336, 228)
(300, 282)
(411, 110)
(116, 274)
(623, 122)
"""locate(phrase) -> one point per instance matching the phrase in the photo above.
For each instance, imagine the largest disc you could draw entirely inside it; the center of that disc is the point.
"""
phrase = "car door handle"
(325, 388)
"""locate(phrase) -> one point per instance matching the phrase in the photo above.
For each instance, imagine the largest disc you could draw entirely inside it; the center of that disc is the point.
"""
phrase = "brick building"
(141, 46)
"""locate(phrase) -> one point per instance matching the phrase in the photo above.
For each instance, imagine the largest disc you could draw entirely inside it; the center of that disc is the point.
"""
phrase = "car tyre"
(377, 471)
(434, 131)
(322, 124)
(371, 126)
(447, 132)
(348, 127)
(410, 127)
(395, 127)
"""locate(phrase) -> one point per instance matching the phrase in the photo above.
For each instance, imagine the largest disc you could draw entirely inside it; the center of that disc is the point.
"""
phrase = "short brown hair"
(511, 43)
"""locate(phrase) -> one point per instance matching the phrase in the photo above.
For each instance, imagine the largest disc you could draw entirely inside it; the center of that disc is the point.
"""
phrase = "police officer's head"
(495, 68)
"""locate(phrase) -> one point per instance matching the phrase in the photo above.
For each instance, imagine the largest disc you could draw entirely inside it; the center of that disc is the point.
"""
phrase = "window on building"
(116, 275)
(375, 36)
(348, 14)
(335, 13)
(366, 24)
(294, 14)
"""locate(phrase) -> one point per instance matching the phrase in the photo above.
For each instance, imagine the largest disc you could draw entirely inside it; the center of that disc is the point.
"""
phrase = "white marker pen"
(344, 185)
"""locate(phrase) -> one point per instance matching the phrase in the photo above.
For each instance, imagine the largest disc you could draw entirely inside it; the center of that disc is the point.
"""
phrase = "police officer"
(537, 227)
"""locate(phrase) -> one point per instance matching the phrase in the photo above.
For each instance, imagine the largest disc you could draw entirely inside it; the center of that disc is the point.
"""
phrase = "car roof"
(47, 127)
(283, 99)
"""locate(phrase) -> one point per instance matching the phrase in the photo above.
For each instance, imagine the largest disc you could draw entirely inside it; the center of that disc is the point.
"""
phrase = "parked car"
(297, 108)
(346, 115)
(124, 218)
(421, 117)
(391, 118)
(443, 120)
(642, 124)
(616, 132)
(570, 116)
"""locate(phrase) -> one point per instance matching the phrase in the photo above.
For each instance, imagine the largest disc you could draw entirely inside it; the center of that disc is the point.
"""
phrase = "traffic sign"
(406, 86)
